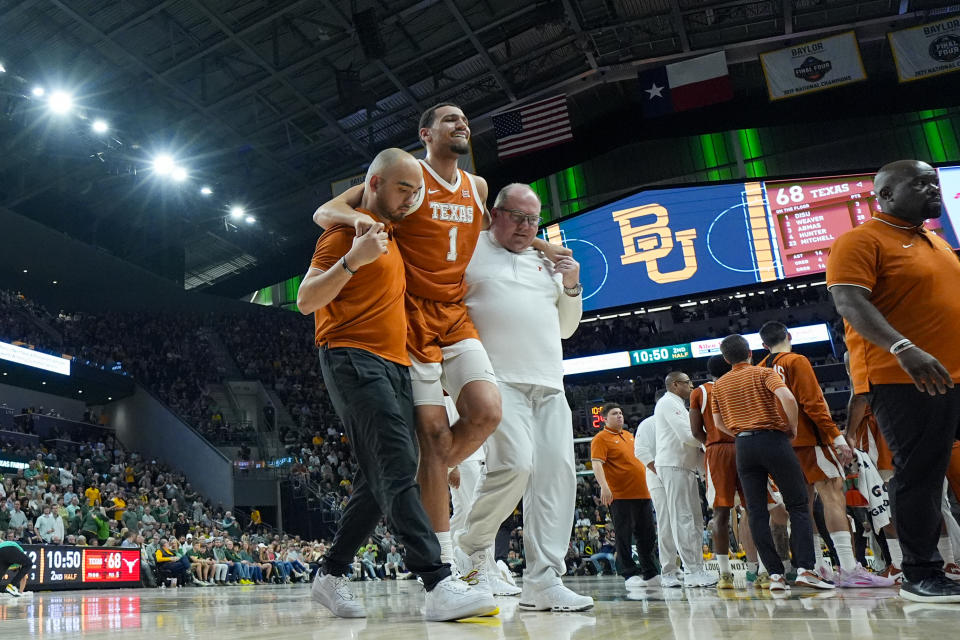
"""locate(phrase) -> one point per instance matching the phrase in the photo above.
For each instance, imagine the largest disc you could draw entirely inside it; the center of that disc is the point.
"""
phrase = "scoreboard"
(69, 567)
(658, 244)
(660, 354)
(595, 416)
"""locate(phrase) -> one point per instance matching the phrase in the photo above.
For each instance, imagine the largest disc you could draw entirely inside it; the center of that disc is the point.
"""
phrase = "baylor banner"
(813, 66)
(928, 50)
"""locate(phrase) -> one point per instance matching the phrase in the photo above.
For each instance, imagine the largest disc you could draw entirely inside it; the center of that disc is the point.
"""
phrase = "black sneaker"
(936, 589)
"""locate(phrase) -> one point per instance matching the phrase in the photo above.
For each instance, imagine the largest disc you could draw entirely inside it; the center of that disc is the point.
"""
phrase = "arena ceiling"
(269, 101)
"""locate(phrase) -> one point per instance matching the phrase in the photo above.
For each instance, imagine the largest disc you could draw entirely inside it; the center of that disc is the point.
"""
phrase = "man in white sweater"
(645, 448)
(523, 305)
(679, 456)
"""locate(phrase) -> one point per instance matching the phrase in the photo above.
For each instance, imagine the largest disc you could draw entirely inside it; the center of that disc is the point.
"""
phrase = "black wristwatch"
(574, 291)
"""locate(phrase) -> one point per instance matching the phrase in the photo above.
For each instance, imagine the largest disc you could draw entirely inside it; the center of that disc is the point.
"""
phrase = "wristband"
(343, 263)
(899, 346)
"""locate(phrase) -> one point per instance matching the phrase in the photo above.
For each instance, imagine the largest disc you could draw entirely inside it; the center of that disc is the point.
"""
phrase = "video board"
(669, 243)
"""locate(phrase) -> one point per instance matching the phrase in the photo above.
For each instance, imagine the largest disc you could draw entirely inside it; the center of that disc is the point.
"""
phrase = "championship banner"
(926, 51)
(813, 66)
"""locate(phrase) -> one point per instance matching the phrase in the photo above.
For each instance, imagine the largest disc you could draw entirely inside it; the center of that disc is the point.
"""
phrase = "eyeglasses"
(519, 217)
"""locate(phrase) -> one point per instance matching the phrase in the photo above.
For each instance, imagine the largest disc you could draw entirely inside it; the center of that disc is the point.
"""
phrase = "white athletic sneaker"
(671, 581)
(500, 587)
(778, 583)
(473, 569)
(701, 579)
(452, 599)
(556, 597)
(16, 593)
(505, 573)
(635, 582)
(334, 593)
(808, 578)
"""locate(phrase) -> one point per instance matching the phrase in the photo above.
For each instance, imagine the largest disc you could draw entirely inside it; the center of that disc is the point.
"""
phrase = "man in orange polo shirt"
(623, 486)
(895, 284)
(355, 289)
(746, 403)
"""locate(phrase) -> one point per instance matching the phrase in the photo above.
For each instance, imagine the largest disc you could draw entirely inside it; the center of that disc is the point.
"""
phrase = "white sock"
(946, 550)
(760, 567)
(896, 553)
(843, 543)
(724, 560)
(446, 546)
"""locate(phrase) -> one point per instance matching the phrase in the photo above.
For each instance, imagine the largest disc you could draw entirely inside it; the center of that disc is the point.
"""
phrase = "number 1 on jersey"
(452, 254)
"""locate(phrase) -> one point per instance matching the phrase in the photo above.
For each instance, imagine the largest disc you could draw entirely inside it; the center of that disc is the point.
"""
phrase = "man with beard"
(437, 241)
(355, 288)
(894, 282)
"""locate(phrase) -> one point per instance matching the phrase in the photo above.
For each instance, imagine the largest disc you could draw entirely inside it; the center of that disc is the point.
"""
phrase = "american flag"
(536, 126)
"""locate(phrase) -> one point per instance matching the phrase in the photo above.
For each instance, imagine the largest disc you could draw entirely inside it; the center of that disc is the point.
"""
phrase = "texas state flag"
(685, 85)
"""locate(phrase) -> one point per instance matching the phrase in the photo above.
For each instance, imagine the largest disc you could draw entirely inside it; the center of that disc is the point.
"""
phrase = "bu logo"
(654, 241)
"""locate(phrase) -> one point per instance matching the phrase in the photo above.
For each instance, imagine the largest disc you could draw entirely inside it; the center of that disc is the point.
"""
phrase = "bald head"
(387, 161)
(393, 183)
(908, 189)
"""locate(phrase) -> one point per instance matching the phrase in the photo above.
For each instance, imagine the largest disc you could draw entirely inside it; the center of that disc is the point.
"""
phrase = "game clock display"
(66, 567)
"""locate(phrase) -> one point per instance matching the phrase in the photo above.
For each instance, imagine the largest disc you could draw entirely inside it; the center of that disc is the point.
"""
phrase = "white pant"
(685, 514)
(471, 472)
(953, 529)
(530, 455)
(666, 546)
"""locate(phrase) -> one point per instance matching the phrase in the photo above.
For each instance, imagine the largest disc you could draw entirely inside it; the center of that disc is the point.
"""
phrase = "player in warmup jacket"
(437, 241)
(822, 452)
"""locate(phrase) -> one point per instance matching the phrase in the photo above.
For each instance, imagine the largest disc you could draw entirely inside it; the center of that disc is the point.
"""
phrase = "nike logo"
(433, 190)
(907, 246)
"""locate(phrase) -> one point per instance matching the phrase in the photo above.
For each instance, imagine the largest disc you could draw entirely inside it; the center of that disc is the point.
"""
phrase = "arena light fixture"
(100, 126)
(250, 219)
(206, 191)
(179, 174)
(163, 164)
(3, 69)
(60, 102)
(38, 92)
(237, 212)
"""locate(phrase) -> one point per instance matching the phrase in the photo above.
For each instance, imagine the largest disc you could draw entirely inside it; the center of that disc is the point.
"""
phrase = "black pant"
(11, 556)
(763, 453)
(373, 398)
(635, 518)
(920, 430)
